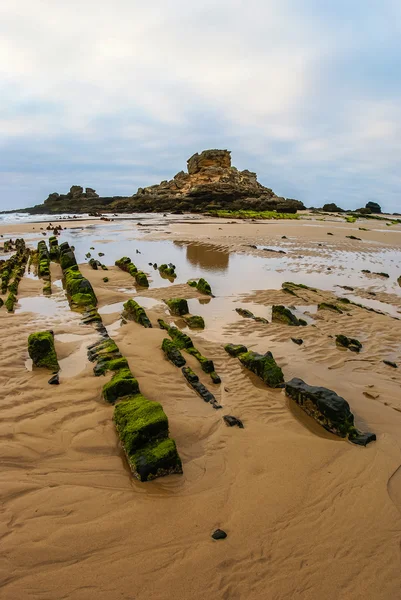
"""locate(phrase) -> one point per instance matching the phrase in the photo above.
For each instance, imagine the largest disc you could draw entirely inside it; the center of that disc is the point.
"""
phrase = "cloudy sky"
(118, 94)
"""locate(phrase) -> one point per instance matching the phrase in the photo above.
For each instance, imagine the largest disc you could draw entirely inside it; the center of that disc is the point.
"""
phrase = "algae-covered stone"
(173, 353)
(79, 290)
(264, 366)
(41, 350)
(329, 306)
(168, 271)
(134, 312)
(158, 459)
(181, 339)
(215, 377)
(244, 312)
(141, 279)
(143, 430)
(138, 420)
(205, 363)
(327, 408)
(195, 322)
(110, 364)
(235, 349)
(67, 257)
(177, 306)
(351, 343)
(122, 384)
(281, 314)
(10, 301)
(193, 283)
(203, 287)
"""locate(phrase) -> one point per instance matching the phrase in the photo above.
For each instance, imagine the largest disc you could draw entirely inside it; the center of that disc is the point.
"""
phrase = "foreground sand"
(308, 516)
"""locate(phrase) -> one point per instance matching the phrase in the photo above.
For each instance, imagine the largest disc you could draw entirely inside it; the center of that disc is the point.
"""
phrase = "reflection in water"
(206, 256)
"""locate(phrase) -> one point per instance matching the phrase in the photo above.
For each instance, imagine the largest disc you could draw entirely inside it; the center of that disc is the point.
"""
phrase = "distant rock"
(374, 207)
(332, 207)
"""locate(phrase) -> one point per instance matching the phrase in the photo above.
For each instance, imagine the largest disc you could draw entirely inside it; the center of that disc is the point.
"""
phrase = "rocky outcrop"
(211, 183)
(332, 207)
(41, 350)
(327, 408)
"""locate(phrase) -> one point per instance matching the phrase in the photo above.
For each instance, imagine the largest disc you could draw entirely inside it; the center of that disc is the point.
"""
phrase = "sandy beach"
(308, 515)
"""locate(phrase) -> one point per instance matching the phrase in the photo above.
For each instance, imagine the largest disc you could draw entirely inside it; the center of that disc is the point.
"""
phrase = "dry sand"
(308, 516)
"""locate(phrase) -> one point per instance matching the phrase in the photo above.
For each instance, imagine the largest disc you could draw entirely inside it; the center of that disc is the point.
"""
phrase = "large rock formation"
(211, 183)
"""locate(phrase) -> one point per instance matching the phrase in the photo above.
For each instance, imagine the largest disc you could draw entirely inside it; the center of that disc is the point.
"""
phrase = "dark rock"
(390, 364)
(351, 343)
(232, 421)
(374, 207)
(327, 408)
(263, 365)
(244, 312)
(54, 380)
(173, 353)
(298, 341)
(332, 207)
(203, 392)
(272, 250)
(219, 534)
(281, 314)
(235, 349)
(353, 237)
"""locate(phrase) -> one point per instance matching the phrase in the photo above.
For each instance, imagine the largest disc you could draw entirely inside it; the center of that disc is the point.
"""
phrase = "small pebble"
(219, 534)
(54, 380)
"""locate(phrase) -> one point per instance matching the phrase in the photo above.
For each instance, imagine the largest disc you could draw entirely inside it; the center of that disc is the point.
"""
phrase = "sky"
(118, 95)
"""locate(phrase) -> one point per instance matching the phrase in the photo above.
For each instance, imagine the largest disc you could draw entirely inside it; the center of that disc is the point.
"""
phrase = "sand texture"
(308, 515)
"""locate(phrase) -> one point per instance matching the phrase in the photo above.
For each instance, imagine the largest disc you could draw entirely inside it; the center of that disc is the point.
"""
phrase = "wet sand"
(308, 515)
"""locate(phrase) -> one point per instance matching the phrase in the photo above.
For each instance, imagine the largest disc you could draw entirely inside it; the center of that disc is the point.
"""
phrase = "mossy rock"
(41, 350)
(138, 420)
(141, 279)
(134, 312)
(215, 377)
(235, 349)
(329, 306)
(351, 343)
(122, 384)
(10, 301)
(67, 259)
(181, 339)
(192, 283)
(281, 314)
(142, 427)
(177, 306)
(203, 287)
(110, 364)
(105, 279)
(205, 363)
(173, 353)
(47, 288)
(167, 271)
(264, 366)
(195, 322)
(158, 459)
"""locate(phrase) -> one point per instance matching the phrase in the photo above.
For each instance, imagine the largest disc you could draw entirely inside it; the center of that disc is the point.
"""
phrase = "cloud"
(118, 95)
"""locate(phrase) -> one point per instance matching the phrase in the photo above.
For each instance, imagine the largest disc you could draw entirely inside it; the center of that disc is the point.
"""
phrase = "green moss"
(214, 377)
(167, 271)
(142, 427)
(177, 306)
(205, 363)
(203, 287)
(9, 303)
(329, 306)
(122, 384)
(235, 349)
(156, 460)
(192, 283)
(264, 366)
(195, 322)
(138, 420)
(181, 340)
(47, 288)
(110, 364)
(252, 214)
(135, 312)
(281, 314)
(173, 353)
(79, 290)
(67, 259)
(350, 219)
(141, 279)
(41, 350)
(125, 264)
